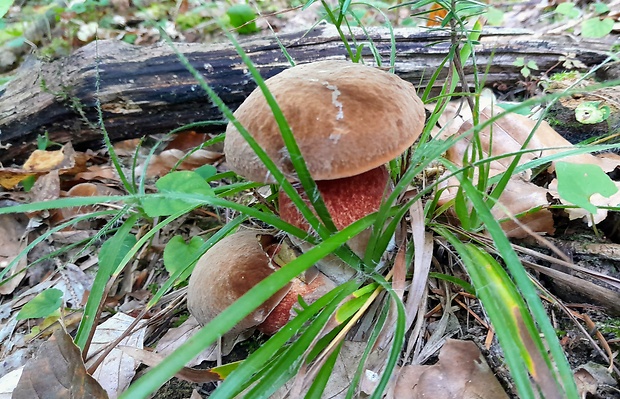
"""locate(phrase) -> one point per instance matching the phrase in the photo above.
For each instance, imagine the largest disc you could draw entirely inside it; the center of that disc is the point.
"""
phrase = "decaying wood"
(147, 90)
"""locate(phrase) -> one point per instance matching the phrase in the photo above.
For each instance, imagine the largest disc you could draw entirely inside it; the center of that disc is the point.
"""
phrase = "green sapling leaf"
(42, 305)
(577, 183)
(591, 112)
(183, 182)
(596, 28)
(567, 9)
(177, 253)
(240, 15)
(4, 7)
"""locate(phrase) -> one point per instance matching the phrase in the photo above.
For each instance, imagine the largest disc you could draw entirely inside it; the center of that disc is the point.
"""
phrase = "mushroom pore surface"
(347, 200)
(346, 119)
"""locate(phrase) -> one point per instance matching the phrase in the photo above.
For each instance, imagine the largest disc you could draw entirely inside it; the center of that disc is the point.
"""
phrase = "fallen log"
(147, 90)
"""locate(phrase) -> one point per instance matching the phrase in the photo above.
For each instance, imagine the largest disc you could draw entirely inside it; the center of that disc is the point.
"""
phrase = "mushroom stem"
(347, 200)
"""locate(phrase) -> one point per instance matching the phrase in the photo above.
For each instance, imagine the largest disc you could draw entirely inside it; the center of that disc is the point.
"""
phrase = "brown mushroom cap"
(346, 118)
(227, 271)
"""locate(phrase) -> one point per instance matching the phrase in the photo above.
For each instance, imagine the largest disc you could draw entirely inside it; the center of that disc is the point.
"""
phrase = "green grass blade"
(526, 287)
(322, 377)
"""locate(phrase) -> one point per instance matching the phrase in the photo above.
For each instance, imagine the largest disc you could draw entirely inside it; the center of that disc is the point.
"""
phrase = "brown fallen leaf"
(12, 242)
(86, 190)
(41, 161)
(586, 383)
(98, 172)
(168, 159)
(46, 188)
(461, 372)
(186, 140)
(507, 135)
(152, 359)
(57, 372)
(10, 177)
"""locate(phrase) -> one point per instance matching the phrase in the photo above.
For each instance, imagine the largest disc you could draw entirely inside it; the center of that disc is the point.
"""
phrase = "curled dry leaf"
(40, 162)
(57, 372)
(98, 172)
(168, 159)
(86, 190)
(461, 372)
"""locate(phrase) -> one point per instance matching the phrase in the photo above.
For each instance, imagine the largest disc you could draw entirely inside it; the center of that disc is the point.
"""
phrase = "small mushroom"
(348, 121)
(231, 268)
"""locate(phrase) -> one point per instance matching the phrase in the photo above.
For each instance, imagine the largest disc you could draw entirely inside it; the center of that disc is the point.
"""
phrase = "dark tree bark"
(147, 90)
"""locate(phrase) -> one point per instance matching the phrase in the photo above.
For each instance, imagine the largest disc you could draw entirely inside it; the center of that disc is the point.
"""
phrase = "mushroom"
(348, 121)
(232, 267)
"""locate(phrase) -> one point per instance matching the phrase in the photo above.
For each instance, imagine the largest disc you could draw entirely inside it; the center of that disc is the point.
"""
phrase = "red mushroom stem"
(347, 200)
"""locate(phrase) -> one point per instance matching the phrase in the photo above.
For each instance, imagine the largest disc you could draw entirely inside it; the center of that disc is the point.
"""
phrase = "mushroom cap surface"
(225, 272)
(346, 119)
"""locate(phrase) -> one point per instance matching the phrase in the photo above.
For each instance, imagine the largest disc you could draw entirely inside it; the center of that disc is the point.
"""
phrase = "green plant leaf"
(206, 171)
(567, 9)
(177, 252)
(595, 28)
(42, 305)
(494, 16)
(591, 112)
(600, 8)
(4, 7)
(185, 182)
(577, 183)
(525, 71)
(240, 15)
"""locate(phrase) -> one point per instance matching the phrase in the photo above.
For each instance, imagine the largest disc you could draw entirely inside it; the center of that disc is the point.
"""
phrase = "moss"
(566, 75)
(611, 326)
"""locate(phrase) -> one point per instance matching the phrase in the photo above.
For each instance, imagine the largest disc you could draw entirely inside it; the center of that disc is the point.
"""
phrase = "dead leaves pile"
(57, 368)
(510, 133)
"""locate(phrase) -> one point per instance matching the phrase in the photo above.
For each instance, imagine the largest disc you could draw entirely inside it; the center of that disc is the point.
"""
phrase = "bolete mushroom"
(348, 120)
(232, 267)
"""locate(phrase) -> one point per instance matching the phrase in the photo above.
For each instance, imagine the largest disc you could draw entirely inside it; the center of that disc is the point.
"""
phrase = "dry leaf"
(10, 177)
(12, 241)
(586, 383)
(195, 395)
(341, 376)
(8, 382)
(47, 187)
(86, 190)
(98, 172)
(461, 372)
(65, 160)
(166, 161)
(126, 148)
(117, 369)
(187, 140)
(152, 359)
(41, 161)
(175, 337)
(57, 372)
